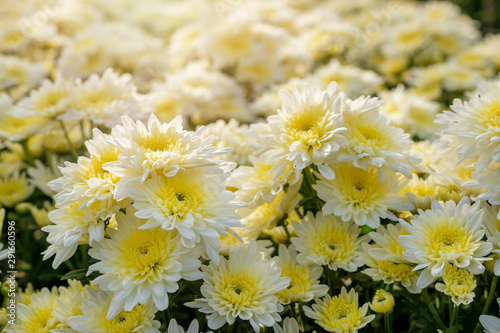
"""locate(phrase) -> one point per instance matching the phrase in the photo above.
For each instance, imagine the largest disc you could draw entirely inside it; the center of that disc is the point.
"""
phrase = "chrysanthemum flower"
(243, 286)
(87, 181)
(304, 283)
(69, 304)
(139, 265)
(420, 192)
(140, 318)
(385, 258)
(159, 148)
(373, 140)
(36, 315)
(358, 195)
(14, 188)
(103, 99)
(51, 100)
(475, 125)
(306, 130)
(324, 240)
(72, 227)
(192, 202)
(340, 313)
(445, 234)
(458, 284)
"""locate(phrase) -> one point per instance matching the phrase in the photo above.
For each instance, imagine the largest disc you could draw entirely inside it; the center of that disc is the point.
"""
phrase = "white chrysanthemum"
(71, 227)
(87, 181)
(51, 100)
(340, 313)
(41, 174)
(458, 284)
(18, 72)
(244, 286)
(420, 192)
(104, 99)
(448, 233)
(14, 188)
(475, 125)
(353, 81)
(36, 314)
(139, 265)
(358, 195)
(69, 304)
(257, 185)
(304, 283)
(373, 140)
(306, 130)
(324, 240)
(140, 317)
(159, 148)
(385, 258)
(414, 114)
(192, 202)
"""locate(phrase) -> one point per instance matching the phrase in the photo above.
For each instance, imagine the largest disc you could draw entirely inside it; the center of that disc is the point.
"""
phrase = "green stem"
(288, 236)
(387, 322)
(454, 315)
(68, 140)
(427, 300)
(27, 153)
(491, 294)
(229, 328)
(83, 253)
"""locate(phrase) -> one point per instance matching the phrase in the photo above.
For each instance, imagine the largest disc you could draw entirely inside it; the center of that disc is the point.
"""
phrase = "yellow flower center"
(300, 282)
(306, 126)
(49, 99)
(397, 271)
(489, 115)
(340, 314)
(125, 321)
(178, 197)
(238, 290)
(147, 253)
(334, 244)
(447, 238)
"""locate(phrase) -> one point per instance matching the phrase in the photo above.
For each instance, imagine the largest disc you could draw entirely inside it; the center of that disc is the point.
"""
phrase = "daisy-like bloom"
(383, 302)
(491, 324)
(51, 100)
(42, 174)
(243, 286)
(475, 125)
(104, 99)
(445, 234)
(71, 227)
(341, 313)
(385, 258)
(458, 284)
(373, 140)
(35, 315)
(87, 181)
(290, 325)
(139, 265)
(304, 283)
(420, 192)
(325, 240)
(192, 202)
(306, 130)
(159, 148)
(14, 188)
(69, 304)
(140, 318)
(358, 195)
(18, 72)
(257, 185)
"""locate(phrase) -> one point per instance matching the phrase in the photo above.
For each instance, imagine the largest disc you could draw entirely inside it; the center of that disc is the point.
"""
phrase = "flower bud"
(382, 302)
